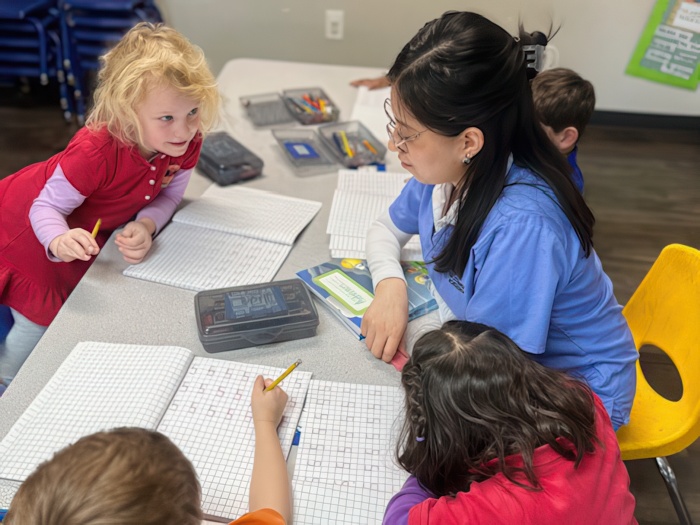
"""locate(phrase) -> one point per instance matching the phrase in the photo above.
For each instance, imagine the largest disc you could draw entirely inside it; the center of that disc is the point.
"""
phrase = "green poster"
(669, 48)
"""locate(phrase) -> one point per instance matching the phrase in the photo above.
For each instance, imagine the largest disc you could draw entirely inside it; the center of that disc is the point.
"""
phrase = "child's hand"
(74, 244)
(134, 241)
(267, 406)
(371, 83)
(384, 322)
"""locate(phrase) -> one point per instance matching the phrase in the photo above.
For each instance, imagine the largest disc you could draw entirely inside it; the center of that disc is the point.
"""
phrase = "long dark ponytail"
(462, 70)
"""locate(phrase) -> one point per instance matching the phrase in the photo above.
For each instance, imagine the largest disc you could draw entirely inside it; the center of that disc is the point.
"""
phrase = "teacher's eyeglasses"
(393, 132)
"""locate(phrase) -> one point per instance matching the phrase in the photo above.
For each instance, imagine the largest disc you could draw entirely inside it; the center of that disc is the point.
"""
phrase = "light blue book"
(345, 287)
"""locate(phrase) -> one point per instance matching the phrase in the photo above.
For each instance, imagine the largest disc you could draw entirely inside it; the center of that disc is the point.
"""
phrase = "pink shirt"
(595, 492)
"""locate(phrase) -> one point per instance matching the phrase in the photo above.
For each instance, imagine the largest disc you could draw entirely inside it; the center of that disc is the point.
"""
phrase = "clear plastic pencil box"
(225, 160)
(310, 105)
(254, 315)
(352, 143)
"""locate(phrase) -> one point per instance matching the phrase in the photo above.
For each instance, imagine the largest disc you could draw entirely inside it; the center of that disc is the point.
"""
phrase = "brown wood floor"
(644, 188)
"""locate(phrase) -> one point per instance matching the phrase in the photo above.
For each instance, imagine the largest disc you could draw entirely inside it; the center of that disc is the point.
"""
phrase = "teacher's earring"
(466, 160)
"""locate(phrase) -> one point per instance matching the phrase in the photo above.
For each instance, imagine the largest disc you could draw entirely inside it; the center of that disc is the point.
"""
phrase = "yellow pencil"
(96, 228)
(284, 374)
(346, 144)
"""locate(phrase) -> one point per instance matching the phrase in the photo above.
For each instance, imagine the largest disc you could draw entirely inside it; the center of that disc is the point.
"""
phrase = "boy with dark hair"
(564, 103)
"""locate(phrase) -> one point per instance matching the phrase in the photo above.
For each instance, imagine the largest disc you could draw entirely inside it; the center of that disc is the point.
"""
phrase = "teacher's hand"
(384, 322)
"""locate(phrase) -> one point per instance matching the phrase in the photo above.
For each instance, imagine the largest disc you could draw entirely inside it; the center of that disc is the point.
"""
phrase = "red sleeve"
(260, 517)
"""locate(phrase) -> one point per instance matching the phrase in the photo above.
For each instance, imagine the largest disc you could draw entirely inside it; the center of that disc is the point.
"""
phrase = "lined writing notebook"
(345, 471)
(202, 404)
(230, 236)
(361, 196)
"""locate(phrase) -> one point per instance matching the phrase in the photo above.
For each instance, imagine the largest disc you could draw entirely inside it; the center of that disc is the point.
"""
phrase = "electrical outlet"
(334, 24)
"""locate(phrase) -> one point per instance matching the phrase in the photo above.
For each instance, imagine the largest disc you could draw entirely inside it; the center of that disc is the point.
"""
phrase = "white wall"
(596, 38)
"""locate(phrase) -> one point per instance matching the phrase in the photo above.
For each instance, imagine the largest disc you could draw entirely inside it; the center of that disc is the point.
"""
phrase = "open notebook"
(344, 461)
(230, 236)
(361, 196)
(201, 404)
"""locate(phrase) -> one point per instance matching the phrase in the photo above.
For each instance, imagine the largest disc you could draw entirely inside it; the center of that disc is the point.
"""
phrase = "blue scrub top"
(527, 276)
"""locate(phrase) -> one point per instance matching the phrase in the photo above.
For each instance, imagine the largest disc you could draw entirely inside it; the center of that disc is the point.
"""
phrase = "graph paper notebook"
(230, 236)
(361, 196)
(201, 404)
(345, 472)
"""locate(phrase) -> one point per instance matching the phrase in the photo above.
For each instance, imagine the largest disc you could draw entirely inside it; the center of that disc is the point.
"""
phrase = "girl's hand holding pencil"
(74, 244)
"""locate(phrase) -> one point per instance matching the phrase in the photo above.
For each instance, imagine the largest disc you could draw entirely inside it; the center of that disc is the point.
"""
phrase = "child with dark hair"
(506, 236)
(134, 476)
(490, 436)
(564, 103)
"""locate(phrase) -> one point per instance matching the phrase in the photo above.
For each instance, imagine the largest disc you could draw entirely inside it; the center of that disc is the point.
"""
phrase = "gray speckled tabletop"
(107, 306)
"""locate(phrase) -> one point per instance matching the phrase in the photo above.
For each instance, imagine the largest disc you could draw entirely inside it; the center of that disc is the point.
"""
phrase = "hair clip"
(420, 439)
(533, 56)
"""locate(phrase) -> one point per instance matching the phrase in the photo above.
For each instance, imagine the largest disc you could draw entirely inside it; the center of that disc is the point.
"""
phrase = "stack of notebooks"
(361, 196)
(230, 236)
(344, 472)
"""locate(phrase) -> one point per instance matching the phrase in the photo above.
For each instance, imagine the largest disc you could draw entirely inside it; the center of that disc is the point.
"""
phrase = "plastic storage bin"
(310, 105)
(253, 315)
(266, 109)
(304, 149)
(225, 160)
(352, 144)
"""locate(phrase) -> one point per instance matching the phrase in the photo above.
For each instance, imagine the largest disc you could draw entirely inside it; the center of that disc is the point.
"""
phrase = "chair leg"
(673, 490)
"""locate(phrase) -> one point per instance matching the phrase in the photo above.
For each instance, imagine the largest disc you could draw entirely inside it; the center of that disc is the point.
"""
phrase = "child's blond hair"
(149, 56)
(129, 476)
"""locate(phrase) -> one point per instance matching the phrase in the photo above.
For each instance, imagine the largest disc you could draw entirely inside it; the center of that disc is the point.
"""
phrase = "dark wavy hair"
(462, 70)
(473, 398)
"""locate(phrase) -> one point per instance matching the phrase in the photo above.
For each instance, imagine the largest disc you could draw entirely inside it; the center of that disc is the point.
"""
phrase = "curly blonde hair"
(146, 57)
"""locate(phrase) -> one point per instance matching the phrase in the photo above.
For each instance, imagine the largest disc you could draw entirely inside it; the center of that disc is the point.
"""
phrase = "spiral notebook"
(230, 236)
(201, 404)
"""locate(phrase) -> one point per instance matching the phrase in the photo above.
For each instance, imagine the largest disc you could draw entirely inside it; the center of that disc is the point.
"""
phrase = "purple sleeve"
(163, 206)
(57, 199)
(399, 506)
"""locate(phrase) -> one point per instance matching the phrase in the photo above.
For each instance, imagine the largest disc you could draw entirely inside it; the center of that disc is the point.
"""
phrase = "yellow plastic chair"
(665, 312)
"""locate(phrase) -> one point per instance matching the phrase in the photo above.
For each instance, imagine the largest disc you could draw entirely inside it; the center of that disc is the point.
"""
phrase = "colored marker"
(346, 144)
(366, 143)
(338, 143)
(96, 228)
(311, 101)
(284, 374)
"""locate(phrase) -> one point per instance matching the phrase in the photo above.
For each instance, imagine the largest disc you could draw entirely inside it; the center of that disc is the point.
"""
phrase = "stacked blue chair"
(89, 28)
(30, 45)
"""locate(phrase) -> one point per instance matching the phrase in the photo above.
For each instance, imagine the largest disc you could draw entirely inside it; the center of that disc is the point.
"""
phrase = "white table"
(106, 306)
